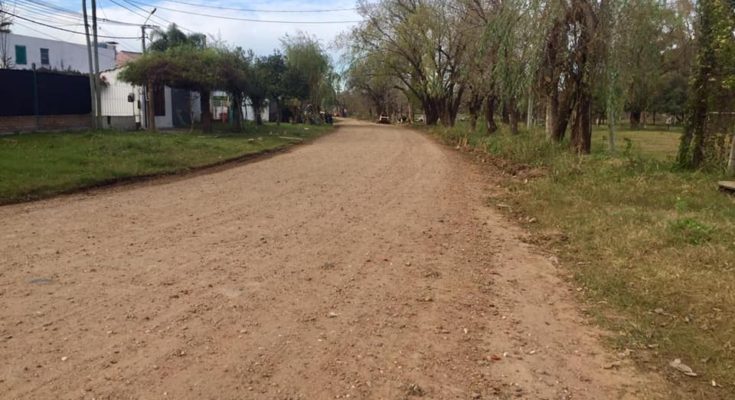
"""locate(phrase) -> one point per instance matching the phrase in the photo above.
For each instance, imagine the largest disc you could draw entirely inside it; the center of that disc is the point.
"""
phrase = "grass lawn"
(651, 248)
(37, 165)
(654, 142)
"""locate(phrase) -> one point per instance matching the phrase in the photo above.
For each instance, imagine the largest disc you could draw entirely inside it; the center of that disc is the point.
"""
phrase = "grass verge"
(38, 165)
(650, 248)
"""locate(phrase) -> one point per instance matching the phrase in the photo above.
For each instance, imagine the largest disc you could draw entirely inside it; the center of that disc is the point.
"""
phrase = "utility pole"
(92, 80)
(150, 116)
(98, 99)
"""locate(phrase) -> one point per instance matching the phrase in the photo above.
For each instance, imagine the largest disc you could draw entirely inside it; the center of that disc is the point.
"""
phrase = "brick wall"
(27, 123)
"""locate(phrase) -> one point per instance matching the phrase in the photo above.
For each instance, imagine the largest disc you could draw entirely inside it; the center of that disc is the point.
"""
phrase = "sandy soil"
(365, 265)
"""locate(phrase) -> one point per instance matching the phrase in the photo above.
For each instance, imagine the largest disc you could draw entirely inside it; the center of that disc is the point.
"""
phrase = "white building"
(25, 51)
(220, 107)
(249, 114)
(123, 108)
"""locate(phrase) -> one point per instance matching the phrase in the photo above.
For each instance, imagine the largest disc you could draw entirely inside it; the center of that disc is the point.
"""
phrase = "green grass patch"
(37, 165)
(653, 247)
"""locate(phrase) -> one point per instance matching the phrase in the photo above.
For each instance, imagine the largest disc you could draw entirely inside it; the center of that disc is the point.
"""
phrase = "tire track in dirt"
(364, 265)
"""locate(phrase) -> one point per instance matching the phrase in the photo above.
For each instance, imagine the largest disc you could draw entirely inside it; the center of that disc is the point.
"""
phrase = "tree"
(258, 87)
(712, 94)
(308, 67)
(273, 69)
(6, 20)
(515, 43)
(367, 76)
(478, 75)
(173, 37)
(232, 75)
(420, 44)
(571, 58)
(182, 67)
(641, 46)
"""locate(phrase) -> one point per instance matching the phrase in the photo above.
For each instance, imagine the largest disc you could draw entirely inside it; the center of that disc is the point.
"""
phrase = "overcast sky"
(261, 37)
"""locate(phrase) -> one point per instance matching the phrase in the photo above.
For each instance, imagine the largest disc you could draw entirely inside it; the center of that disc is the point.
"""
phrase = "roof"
(124, 57)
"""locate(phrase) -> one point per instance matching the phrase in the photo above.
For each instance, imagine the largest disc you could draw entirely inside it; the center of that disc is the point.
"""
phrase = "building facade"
(25, 52)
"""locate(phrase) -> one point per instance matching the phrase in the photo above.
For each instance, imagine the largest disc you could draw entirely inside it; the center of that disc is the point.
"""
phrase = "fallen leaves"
(681, 367)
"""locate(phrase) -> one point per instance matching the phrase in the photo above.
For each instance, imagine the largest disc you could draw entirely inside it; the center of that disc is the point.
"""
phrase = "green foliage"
(174, 37)
(712, 89)
(181, 66)
(690, 231)
(309, 68)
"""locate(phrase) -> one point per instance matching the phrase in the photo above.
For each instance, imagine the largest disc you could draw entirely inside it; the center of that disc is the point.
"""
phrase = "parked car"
(384, 119)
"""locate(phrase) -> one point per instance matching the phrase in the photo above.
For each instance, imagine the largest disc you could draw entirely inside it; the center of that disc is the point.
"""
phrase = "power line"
(188, 12)
(57, 20)
(265, 11)
(127, 8)
(35, 30)
(69, 30)
(46, 7)
(161, 20)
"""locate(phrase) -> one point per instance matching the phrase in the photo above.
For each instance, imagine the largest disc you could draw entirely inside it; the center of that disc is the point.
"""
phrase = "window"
(20, 55)
(44, 57)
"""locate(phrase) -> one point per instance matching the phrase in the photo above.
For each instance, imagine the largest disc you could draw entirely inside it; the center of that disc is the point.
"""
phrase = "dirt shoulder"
(364, 265)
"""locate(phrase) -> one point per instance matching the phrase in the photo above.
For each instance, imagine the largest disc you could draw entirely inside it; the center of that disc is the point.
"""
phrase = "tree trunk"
(558, 114)
(490, 124)
(473, 121)
(529, 111)
(150, 108)
(582, 126)
(431, 111)
(258, 111)
(731, 160)
(513, 116)
(635, 119)
(473, 107)
(611, 129)
(691, 148)
(504, 113)
(206, 111)
(279, 117)
(236, 112)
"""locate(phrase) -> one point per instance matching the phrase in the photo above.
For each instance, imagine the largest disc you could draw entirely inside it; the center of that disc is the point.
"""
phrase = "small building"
(221, 104)
(123, 108)
(27, 52)
(248, 113)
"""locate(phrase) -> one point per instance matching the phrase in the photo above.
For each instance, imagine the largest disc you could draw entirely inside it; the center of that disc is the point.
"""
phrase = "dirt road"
(365, 265)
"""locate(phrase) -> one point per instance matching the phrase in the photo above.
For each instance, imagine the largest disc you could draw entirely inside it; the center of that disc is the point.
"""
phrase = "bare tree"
(6, 20)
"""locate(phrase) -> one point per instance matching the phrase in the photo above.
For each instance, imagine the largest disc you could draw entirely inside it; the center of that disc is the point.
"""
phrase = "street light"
(142, 28)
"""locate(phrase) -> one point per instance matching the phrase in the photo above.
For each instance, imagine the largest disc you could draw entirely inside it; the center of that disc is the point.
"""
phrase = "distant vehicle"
(384, 119)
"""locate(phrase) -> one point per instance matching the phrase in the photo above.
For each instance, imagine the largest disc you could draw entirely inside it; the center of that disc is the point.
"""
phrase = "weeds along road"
(364, 265)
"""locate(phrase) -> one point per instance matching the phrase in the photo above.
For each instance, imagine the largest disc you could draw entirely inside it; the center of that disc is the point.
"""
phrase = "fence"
(31, 100)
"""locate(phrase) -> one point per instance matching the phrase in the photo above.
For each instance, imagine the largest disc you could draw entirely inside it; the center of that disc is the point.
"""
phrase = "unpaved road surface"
(365, 265)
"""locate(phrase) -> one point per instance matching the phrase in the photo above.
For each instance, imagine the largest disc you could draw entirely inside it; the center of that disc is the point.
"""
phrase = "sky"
(260, 36)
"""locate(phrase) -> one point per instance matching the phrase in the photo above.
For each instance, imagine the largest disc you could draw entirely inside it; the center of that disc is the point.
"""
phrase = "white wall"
(115, 101)
(166, 121)
(62, 55)
(249, 114)
(115, 96)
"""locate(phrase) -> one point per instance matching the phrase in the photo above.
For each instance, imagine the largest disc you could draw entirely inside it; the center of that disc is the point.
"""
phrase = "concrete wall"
(166, 121)
(28, 123)
(125, 114)
(249, 114)
(115, 97)
(62, 55)
(128, 123)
